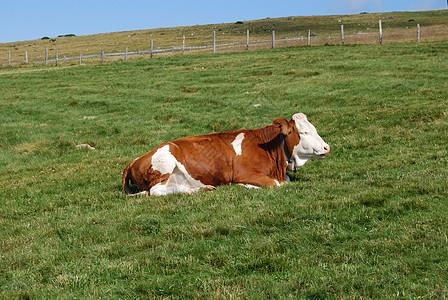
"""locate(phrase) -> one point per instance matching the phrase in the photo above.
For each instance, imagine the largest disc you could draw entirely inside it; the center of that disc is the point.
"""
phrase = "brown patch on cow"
(265, 134)
(153, 177)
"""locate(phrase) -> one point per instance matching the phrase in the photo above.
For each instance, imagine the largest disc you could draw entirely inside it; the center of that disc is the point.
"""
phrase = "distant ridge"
(199, 35)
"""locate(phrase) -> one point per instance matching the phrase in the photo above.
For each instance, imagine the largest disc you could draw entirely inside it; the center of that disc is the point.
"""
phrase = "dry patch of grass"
(34, 147)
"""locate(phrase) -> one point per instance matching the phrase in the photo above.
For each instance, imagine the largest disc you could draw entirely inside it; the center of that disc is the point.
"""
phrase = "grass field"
(370, 221)
(397, 27)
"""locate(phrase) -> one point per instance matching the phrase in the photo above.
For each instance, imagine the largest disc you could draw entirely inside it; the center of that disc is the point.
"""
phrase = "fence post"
(152, 48)
(342, 34)
(80, 58)
(273, 39)
(126, 54)
(183, 44)
(46, 56)
(9, 57)
(418, 33)
(309, 37)
(247, 40)
(381, 33)
(26, 57)
(102, 56)
(214, 41)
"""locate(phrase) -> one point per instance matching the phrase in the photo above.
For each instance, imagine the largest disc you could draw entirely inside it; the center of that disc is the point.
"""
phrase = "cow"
(253, 158)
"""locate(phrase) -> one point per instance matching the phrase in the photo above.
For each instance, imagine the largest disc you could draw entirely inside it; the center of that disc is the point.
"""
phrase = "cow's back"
(208, 158)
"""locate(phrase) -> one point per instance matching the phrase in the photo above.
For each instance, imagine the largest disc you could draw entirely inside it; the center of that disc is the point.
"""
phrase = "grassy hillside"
(370, 221)
(395, 24)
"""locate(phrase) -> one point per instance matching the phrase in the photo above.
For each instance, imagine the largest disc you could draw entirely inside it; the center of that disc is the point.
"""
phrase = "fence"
(308, 40)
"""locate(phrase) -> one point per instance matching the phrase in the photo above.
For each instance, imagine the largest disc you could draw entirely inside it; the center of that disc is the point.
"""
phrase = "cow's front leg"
(208, 188)
(258, 179)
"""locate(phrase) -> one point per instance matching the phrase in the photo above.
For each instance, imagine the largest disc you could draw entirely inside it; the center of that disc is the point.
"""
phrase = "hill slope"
(434, 22)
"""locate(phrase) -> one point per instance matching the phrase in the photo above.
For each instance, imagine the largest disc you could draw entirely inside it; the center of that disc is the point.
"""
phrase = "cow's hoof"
(208, 188)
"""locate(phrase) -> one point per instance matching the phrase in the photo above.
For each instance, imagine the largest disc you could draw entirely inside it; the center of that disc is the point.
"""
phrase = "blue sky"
(31, 19)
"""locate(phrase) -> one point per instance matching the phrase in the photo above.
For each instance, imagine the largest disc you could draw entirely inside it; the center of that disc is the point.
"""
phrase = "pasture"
(370, 221)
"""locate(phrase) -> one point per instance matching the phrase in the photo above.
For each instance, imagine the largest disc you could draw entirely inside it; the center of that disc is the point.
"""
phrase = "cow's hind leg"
(162, 189)
(179, 181)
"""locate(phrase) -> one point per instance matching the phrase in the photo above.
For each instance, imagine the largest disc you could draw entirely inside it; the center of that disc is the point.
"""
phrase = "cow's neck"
(267, 134)
(285, 150)
(271, 141)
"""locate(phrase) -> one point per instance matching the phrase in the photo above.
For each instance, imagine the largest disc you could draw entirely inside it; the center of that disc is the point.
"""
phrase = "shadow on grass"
(297, 177)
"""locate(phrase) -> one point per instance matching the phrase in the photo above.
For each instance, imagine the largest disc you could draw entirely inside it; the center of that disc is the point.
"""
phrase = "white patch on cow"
(310, 145)
(161, 190)
(276, 182)
(163, 161)
(237, 144)
(180, 181)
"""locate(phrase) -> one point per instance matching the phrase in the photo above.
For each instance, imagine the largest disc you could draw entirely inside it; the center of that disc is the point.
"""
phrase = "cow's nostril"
(327, 148)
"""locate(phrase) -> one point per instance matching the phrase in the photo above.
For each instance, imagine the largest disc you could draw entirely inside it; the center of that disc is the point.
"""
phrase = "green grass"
(370, 221)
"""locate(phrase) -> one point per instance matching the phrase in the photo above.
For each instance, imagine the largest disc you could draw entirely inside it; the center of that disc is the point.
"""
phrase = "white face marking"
(180, 181)
(237, 144)
(310, 145)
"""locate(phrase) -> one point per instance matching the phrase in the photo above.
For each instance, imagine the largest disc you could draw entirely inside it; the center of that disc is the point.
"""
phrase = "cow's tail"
(129, 185)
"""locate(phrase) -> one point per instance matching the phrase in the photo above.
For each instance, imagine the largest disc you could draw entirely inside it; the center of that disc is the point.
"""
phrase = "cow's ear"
(283, 125)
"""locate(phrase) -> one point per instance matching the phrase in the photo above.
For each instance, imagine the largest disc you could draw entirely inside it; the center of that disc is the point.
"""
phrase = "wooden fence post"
(183, 44)
(214, 41)
(9, 57)
(342, 34)
(309, 37)
(247, 40)
(273, 39)
(381, 33)
(102, 56)
(26, 57)
(152, 48)
(46, 56)
(418, 33)
(80, 58)
(126, 54)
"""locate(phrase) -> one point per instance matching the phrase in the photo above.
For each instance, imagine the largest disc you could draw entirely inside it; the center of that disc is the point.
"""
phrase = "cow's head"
(302, 142)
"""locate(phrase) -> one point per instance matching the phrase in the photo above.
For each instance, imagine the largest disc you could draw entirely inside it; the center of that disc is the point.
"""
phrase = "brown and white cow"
(255, 157)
